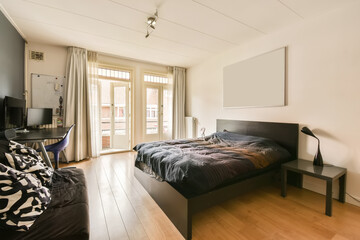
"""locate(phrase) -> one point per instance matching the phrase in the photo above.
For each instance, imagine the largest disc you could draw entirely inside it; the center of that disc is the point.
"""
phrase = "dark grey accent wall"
(12, 47)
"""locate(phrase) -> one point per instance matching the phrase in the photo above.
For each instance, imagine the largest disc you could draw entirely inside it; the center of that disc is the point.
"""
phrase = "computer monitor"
(39, 116)
(14, 113)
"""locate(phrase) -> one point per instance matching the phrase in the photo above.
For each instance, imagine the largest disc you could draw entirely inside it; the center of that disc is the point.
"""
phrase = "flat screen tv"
(39, 116)
(14, 113)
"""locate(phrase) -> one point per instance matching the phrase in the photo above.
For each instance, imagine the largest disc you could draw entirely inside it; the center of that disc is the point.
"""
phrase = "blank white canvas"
(256, 82)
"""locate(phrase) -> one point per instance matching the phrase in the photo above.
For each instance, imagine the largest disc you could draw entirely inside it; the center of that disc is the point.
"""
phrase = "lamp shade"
(307, 131)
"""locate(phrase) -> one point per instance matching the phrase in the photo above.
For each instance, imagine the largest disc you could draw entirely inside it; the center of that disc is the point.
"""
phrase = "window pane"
(105, 114)
(152, 106)
(156, 79)
(113, 73)
(119, 110)
(167, 111)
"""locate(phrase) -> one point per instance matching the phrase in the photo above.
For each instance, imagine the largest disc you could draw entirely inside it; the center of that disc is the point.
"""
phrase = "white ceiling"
(187, 31)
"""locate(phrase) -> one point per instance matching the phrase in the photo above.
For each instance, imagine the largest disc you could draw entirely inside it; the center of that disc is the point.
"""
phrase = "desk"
(39, 136)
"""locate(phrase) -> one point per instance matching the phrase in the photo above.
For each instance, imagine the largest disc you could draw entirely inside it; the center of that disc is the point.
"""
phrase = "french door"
(120, 133)
(158, 112)
(115, 115)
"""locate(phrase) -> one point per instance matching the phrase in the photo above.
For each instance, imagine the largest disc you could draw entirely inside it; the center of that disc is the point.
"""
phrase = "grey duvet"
(195, 166)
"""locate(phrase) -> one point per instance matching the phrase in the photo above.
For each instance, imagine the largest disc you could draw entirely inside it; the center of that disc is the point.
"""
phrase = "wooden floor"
(121, 209)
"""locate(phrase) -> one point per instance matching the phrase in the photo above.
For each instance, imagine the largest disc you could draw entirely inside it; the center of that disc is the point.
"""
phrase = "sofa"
(67, 214)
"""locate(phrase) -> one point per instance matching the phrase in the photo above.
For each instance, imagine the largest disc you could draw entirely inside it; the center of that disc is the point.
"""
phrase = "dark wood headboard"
(285, 134)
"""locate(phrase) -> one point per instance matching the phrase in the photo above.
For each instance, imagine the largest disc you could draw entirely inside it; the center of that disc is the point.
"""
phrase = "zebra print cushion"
(18, 148)
(22, 199)
(28, 160)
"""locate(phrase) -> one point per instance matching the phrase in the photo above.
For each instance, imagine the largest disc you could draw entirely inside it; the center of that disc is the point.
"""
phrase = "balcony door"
(115, 110)
(158, 104)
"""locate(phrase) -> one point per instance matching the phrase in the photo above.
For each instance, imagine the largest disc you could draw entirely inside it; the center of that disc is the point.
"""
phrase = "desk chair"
(56, 148)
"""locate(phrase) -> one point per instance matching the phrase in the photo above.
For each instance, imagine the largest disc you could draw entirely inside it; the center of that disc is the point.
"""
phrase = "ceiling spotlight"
(151, 21)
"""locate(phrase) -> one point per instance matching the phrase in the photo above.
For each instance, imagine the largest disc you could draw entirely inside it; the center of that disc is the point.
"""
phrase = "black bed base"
(180, 209)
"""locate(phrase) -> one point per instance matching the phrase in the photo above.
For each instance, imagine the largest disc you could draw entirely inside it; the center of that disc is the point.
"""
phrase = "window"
(156, 79)
(108, 73)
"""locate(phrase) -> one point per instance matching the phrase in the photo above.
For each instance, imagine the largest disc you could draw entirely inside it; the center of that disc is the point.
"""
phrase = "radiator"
(190, 126)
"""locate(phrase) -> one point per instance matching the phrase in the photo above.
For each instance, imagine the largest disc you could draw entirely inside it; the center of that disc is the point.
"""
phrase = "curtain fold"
(94, 104)
(76, 107)
(179, 80)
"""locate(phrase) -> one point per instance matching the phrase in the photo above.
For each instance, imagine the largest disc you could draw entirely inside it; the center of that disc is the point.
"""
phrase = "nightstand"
(328, 173)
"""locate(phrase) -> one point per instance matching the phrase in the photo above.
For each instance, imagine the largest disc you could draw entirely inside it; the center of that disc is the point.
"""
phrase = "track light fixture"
(151, 22)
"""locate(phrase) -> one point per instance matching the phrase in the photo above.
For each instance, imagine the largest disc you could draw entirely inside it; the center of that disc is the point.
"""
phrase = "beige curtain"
(179, 80)
(94, 104)
(76, 104)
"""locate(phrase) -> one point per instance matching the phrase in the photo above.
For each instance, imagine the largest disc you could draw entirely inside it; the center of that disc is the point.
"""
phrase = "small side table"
(328, 173)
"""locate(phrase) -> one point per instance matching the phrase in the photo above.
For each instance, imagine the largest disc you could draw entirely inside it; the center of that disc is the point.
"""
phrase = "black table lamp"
(318, 161)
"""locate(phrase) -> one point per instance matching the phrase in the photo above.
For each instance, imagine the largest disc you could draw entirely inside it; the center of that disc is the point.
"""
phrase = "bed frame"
(180, 209)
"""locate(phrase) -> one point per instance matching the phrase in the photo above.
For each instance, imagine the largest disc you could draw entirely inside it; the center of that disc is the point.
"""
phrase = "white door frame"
(131, 97)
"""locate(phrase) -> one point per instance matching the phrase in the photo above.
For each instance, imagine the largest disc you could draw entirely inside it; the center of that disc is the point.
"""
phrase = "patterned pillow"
(22, 199)
(18, 148)
(28, 160)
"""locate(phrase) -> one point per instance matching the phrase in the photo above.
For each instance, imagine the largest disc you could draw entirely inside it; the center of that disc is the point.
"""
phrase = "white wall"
(54, 63)
(323, 83)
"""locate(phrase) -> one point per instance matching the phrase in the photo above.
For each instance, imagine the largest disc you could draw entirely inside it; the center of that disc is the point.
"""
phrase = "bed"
(179, 206)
